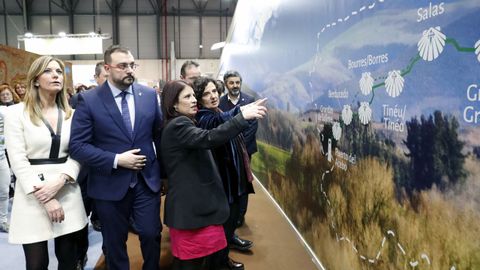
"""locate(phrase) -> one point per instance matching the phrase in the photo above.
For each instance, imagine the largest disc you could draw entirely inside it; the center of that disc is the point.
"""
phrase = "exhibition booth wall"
(372, 141)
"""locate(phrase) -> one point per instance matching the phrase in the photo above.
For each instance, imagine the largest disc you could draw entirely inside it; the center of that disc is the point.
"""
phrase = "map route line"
(410, 66)
(389, 233)
(338, 21)
(416, 58)
(403, 72)
(457, 46)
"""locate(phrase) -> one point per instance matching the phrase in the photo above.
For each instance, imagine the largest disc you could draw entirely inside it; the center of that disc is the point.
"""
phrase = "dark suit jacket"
(249, 133)
(98, 134)
(74, 100)
(195, 196)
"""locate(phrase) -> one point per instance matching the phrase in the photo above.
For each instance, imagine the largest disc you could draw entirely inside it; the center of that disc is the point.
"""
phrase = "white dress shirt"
(130, 101)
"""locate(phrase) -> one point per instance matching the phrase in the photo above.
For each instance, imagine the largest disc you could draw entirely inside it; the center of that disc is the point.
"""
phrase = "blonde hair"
(32, 98)
(15, 89)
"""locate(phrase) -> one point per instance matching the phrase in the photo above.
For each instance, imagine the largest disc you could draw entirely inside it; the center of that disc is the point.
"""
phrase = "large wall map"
(372, 144)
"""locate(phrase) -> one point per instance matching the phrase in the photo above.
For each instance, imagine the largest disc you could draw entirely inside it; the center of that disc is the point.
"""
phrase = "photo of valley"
(392, 209)
(372, 141)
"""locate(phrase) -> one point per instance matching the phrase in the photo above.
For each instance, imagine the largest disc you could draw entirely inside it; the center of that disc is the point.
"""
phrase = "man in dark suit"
(114, 129)
(235, 97)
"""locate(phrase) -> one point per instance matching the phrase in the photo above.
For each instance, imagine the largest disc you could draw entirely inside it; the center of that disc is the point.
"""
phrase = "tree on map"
(435, 152)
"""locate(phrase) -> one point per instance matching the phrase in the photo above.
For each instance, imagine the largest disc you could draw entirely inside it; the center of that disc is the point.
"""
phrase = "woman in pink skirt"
(195, 204)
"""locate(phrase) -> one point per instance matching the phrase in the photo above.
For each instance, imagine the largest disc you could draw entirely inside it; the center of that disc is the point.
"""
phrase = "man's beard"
(126, 81)
(235, 92)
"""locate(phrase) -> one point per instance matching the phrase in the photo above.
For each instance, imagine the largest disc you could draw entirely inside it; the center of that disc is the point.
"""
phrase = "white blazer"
(24, 140)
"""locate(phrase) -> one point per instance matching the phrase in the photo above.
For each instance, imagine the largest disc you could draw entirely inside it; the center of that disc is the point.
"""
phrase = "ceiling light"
(64, 44)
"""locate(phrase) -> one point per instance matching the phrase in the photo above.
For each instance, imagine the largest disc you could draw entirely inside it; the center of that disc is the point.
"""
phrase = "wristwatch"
(68, 179)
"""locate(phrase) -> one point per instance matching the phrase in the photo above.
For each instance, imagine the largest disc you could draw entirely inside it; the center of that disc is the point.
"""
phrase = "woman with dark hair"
(231, 158)
(195, 204)
(220, 87)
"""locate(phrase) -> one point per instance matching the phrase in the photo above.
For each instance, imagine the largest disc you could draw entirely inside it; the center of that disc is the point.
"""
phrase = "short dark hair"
(98, 68)
(199, 86)
(107, 55)
(169, 97)
(187, 64)
(231, 73)
(220, 86)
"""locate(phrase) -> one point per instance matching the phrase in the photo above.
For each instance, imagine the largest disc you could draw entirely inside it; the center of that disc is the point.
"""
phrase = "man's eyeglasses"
(124, 66)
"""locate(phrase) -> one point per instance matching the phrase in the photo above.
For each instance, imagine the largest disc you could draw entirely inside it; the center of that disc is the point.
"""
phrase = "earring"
(36, 84)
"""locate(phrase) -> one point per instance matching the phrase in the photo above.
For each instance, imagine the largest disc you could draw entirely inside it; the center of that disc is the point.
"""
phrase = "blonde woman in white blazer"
(47, 203)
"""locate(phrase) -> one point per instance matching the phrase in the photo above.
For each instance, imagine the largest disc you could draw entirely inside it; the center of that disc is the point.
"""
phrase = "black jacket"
(195, 196)
(249, 133)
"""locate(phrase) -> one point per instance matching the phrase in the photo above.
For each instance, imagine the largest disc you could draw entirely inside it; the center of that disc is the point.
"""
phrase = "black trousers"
(210, 262)
(243, 205)
(36, 254)
(231, 224)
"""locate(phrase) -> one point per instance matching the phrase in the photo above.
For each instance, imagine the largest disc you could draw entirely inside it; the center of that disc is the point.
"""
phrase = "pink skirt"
(197, 243)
